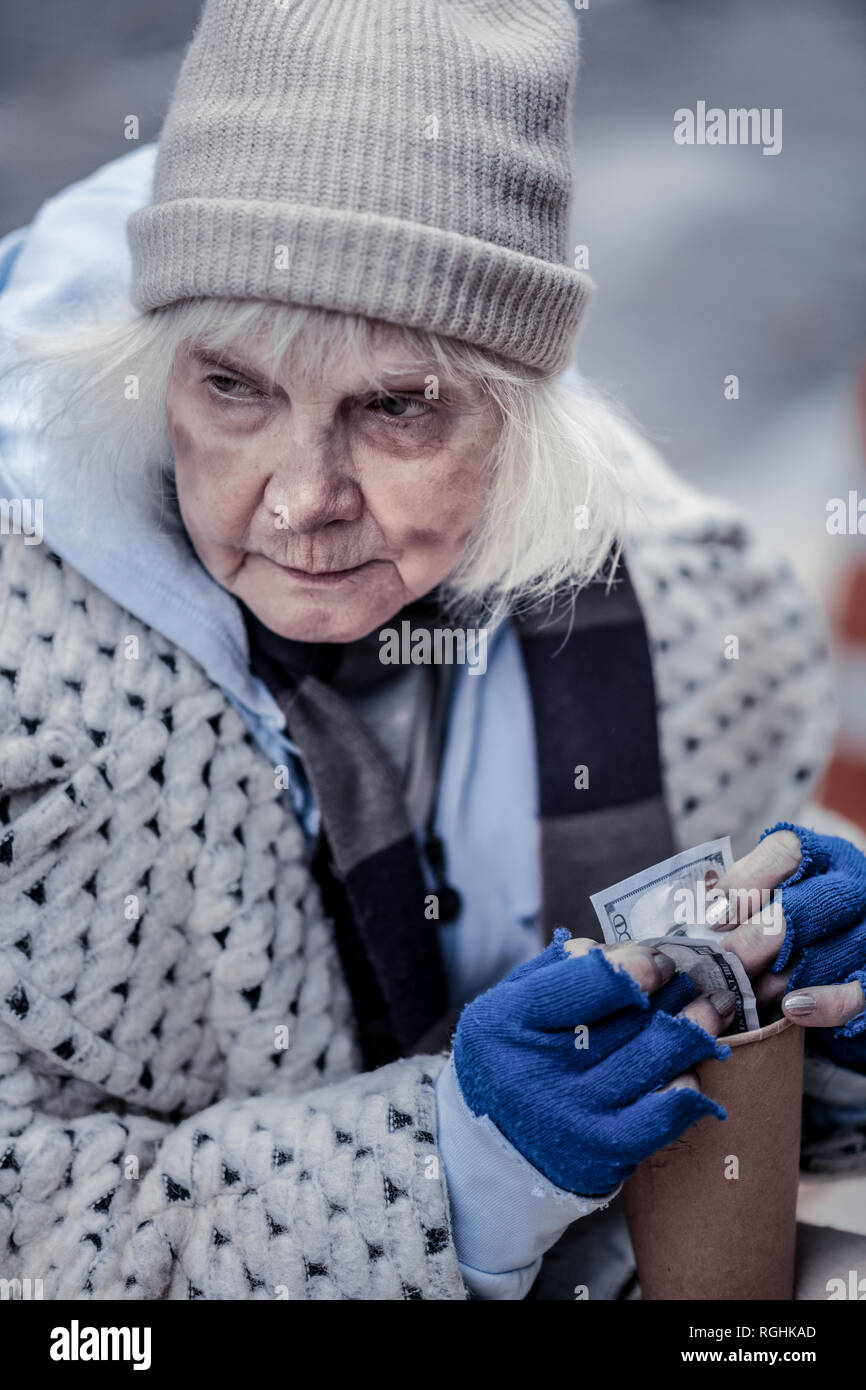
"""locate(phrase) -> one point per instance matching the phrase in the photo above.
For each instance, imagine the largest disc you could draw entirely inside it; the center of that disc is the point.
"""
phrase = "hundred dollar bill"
(711, 968)
(666, 897)
(664, 906)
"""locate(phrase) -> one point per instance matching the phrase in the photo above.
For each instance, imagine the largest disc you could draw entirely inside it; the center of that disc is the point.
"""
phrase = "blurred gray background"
(709, 260)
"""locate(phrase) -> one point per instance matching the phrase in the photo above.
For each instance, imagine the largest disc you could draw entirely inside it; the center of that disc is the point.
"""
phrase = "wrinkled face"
(324, 505)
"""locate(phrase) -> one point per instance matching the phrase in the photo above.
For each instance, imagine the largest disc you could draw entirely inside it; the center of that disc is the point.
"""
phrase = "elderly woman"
(356, 645)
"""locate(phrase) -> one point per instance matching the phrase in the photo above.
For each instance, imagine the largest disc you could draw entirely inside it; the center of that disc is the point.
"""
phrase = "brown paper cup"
(699, 1234)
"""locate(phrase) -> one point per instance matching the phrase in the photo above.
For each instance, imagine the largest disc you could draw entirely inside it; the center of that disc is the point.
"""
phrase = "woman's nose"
(314, 484)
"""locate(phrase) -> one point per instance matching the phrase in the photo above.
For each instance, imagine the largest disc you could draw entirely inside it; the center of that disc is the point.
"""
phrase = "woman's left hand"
(806, 942)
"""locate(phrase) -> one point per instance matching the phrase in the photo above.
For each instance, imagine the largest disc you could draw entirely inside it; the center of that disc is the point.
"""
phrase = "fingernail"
(800, 1004)
(666, 964)
(724, 1001)
(717, 912)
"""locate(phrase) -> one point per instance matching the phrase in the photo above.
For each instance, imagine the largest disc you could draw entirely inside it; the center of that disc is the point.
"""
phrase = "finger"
(576, 991)
(688, 1080)
(825, 1006)
(663, 1050)
(769, 988)
(663, 1116)
(757, 941)
(579, 945)
(768, 864)
(713, 1012)
(648, 967)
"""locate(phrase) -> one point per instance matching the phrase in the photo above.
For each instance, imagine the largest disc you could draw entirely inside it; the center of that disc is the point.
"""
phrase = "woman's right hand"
(582, 1058)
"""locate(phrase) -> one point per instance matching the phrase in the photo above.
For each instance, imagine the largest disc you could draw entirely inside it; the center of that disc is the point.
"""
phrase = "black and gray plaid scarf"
(593, 698)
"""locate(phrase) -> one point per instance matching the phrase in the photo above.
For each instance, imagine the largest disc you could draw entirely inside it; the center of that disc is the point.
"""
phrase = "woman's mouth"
(323, 578)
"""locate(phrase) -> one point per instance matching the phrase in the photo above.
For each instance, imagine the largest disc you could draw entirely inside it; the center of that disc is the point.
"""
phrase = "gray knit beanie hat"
(408, 160)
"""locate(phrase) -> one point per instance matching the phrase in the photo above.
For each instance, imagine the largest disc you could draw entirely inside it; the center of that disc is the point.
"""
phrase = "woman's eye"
(400, 407)
(229, 386)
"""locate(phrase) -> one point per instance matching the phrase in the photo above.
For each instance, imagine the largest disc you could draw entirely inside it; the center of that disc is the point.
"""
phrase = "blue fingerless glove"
(584, 1117)
(824, 903)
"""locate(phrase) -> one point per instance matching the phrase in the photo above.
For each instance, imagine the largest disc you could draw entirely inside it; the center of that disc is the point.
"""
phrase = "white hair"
(555, 504)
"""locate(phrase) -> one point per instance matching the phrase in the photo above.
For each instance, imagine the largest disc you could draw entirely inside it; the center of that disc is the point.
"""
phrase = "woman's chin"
(342, 607)
(323, 617)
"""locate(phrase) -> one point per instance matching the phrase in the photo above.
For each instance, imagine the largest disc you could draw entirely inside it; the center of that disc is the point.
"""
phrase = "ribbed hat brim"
(402, 272)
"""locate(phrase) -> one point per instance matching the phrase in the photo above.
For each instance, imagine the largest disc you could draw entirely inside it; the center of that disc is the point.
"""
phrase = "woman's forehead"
(384, 354)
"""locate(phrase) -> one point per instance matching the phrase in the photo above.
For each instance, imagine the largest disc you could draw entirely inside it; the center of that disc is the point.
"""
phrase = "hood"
(75, 252)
